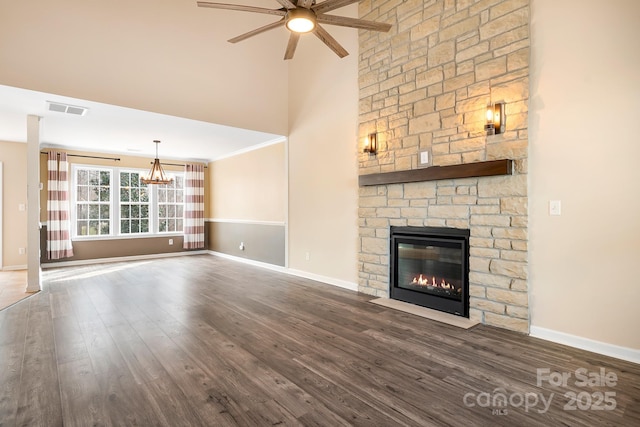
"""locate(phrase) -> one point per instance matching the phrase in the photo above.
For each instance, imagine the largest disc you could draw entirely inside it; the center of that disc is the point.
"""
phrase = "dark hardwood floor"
(199, 340)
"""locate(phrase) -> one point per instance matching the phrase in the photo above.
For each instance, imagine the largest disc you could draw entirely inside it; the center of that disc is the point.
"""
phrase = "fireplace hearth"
(430, 268)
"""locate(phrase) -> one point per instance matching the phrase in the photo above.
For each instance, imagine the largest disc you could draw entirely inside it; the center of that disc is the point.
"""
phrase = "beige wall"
(169, 57)
(585, 100)
(247, 205)
(323, 114)
(13, 156)
(250, 186)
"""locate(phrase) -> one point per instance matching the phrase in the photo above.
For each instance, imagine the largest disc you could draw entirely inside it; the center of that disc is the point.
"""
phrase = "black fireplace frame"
(420, 235)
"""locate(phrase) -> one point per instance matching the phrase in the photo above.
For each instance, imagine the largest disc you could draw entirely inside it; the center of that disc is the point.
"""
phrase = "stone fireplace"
(424, 87)
(493, 209)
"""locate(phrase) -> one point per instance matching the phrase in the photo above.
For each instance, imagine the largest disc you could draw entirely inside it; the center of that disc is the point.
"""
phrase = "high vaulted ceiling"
(149, 69)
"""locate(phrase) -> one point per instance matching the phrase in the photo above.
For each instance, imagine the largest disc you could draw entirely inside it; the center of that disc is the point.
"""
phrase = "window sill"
(125, 237)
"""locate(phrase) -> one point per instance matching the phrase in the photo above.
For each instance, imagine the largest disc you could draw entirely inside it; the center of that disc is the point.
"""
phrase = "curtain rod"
(117, 159)
(175, 164)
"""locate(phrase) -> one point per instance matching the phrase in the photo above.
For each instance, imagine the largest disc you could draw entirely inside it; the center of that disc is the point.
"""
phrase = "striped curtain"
(194, 207)
(58, 222)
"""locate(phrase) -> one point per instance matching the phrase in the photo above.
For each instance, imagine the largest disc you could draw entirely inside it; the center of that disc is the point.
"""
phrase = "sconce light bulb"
(495, 119)
(490, 113)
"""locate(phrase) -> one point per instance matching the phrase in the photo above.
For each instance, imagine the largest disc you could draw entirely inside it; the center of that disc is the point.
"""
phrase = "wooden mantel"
(434, 173)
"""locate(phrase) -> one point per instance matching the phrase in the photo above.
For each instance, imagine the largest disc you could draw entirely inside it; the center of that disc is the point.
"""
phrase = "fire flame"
(431, 282)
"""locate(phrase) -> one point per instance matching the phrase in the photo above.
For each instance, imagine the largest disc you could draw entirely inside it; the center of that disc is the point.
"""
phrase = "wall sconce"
(372, 144)
(495, 119)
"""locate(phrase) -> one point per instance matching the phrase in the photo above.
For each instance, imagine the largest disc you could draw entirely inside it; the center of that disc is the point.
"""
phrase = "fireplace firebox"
(430, 267)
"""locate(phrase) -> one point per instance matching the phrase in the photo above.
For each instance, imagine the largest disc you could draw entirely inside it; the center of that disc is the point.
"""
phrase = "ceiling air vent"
(67, 109)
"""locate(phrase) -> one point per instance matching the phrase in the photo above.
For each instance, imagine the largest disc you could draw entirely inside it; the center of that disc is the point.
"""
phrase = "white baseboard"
(118, 259)
(319, 278)
(14, 267)
(619, 352)
(266, 265)
(299, 273)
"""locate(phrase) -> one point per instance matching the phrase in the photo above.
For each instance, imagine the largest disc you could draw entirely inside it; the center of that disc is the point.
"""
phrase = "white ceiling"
(118, 130)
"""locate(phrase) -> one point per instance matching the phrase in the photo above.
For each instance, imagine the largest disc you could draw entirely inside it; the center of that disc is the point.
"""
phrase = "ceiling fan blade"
(326, 38)
(330, 5)
(305, 3)
(257, 31)
(343, 21)
(242, 8)
(287, 4)
(291, 46)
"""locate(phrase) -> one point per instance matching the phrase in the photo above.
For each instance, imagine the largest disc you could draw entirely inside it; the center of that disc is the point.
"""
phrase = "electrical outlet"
(170, 241)
(307, 256)
(241, 247)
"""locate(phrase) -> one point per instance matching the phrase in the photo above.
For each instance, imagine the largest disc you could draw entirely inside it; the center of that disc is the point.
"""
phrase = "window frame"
(114, 194)
(158, 202)
(75, 201)
(150, 192)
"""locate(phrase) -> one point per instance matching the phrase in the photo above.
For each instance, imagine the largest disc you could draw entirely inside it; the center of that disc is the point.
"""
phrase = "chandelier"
(156, 175)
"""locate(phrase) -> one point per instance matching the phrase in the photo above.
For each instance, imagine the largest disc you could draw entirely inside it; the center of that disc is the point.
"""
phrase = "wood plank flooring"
(204, 341)
(12, 287)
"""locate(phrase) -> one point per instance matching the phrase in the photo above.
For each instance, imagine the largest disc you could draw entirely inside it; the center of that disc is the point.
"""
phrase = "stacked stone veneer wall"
(425, 86)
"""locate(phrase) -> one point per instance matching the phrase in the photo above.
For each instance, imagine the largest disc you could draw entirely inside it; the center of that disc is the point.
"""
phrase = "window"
(115, 202)
(93, 202)
(134, 204)
(171, 206)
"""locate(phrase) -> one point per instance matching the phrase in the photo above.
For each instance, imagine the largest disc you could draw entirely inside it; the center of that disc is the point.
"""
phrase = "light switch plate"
(555, 207)
(424, 158)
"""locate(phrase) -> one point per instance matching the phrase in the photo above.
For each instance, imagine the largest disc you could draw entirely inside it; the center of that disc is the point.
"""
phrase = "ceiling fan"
(303, 16)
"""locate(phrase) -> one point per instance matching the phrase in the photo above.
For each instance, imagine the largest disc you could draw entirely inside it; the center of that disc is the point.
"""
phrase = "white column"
(33, 201)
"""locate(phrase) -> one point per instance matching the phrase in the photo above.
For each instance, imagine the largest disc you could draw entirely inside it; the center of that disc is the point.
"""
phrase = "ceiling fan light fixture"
(301, 20)
(303, 16)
